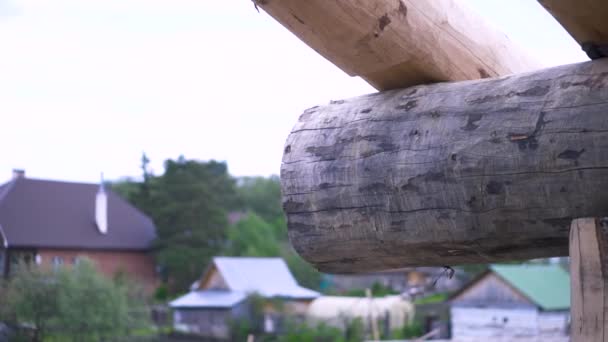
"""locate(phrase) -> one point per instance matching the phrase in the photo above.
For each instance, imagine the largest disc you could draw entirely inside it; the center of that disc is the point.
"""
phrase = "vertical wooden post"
(372, 316)
(589, 280)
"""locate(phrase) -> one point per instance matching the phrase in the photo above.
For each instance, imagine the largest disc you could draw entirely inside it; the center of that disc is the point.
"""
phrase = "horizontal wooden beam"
(452, 173)
(585, 20)
(398, 43)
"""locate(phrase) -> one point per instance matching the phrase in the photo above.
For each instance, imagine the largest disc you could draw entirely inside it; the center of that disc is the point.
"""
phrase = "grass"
(432, 299)
(378, 290)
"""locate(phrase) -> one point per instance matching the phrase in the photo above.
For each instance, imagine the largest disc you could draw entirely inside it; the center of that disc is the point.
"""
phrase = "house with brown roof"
(54, 224)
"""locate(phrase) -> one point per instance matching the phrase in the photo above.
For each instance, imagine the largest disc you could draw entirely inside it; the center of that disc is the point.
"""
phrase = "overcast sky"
(86, 85)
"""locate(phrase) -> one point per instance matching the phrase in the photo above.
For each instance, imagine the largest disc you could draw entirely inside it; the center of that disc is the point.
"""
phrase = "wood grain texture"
(452, 173)
(585, 20)
(589, 280)
(398, 43)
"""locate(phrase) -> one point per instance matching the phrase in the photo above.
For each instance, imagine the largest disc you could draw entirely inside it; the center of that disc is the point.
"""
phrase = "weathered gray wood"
(589, 280)
(451, 173)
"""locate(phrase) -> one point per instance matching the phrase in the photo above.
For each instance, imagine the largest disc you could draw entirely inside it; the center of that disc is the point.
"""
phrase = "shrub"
(355, 330)
(378, 290)
(319, 333)
(77, 304)
(412, 330)
(161, 293)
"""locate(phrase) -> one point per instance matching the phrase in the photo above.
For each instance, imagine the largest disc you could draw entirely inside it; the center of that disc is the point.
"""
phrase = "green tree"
(77, 304)
(305, 274)
(31, 298)
(126, 187)
(189, 204)
(137, 192)
(262, 196)
(252, 236)
(92, 307)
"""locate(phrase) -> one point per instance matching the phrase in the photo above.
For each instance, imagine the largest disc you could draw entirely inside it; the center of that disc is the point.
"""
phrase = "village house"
(512, 302)
(220, 296)
(54, 224)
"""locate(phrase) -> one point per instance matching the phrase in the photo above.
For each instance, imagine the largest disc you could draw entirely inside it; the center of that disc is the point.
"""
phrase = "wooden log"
(399, 43)
(452, 173)
(589, 280)
(585, 20)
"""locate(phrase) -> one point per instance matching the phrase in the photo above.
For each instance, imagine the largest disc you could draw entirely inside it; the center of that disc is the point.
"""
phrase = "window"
(76, 260)
(268, 323)
(177, 316)
(57, 262)
(21, 258)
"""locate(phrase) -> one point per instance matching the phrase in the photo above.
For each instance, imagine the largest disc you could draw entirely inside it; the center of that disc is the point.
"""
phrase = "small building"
(220, 295)
(511, 302)
(53, 224)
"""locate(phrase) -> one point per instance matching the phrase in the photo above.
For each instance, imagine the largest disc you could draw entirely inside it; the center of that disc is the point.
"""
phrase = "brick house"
(53, 224)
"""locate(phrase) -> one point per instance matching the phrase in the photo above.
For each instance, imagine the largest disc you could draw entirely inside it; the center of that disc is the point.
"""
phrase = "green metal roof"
(548, 286)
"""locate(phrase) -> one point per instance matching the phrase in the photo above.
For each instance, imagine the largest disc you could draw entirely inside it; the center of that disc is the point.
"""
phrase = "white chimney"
(101, 209)
(18, 173)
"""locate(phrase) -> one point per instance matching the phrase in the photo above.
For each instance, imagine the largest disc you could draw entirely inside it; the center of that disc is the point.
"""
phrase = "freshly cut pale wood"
(398, 43)
(585, 20)
(589, 280)
(451, 173)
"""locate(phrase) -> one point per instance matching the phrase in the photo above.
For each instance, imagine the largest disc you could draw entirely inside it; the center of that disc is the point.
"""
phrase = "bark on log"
(585, 20)
(452, 173)
(398, 43)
